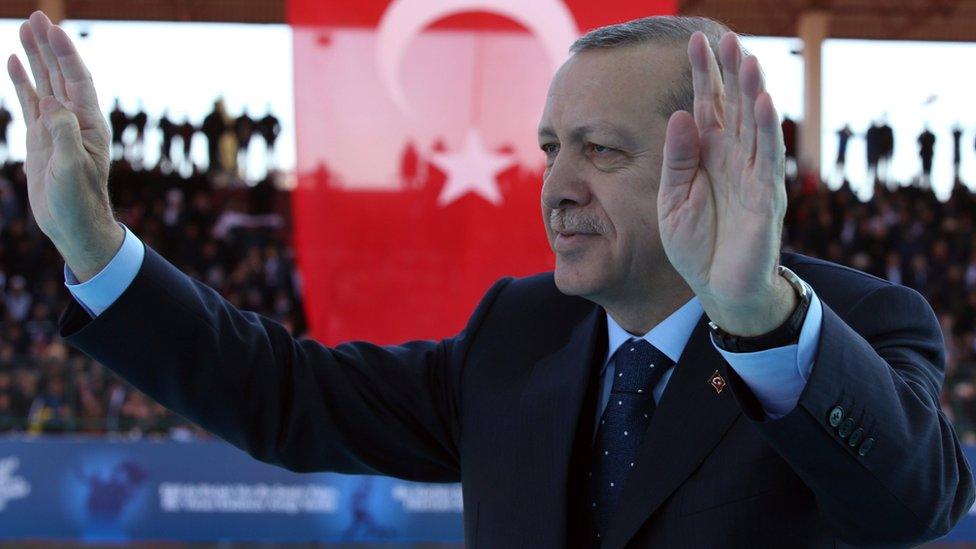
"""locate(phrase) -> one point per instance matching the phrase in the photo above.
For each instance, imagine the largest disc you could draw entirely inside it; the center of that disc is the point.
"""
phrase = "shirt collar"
(670, 335)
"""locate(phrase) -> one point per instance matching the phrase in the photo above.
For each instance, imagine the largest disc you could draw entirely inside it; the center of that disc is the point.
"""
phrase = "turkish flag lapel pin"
(717, 382)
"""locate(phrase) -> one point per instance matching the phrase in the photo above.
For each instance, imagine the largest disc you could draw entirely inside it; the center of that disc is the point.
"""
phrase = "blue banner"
(100, 490)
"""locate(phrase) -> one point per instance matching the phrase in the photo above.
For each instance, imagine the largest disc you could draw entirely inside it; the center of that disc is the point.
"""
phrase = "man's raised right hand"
(68, 143)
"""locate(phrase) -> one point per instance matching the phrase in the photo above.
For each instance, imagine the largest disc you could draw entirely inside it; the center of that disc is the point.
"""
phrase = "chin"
(576, 281)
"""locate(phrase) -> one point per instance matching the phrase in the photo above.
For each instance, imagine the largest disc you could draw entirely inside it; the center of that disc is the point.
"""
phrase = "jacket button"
(846, 428)
(856, 437)
(835, 416)
(866, 446)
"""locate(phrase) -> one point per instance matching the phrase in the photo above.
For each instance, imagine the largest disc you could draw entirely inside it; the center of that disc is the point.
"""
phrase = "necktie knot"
(638, 367)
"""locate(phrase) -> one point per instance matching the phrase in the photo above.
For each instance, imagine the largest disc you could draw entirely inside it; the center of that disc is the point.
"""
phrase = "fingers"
(25, 91)
(707, 83)
(750, 86)
(40, 25)
(38, 68)
(770, 149)
(731, 55)
(77, 80)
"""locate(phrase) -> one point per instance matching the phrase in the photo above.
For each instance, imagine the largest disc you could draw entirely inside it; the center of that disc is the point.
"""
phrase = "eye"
(600, 149)
(549, 148)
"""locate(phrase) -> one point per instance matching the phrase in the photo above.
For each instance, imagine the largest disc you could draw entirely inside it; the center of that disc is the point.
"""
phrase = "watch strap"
(786, 333)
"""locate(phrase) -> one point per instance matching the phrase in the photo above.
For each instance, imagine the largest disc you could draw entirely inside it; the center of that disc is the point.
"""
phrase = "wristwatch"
(787, 333)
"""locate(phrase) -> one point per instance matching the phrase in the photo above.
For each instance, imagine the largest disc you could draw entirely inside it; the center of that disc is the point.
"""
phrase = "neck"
(639, 311)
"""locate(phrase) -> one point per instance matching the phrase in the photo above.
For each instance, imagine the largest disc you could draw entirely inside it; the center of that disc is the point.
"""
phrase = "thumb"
(682, 156)
(682, 150)
(62, 124)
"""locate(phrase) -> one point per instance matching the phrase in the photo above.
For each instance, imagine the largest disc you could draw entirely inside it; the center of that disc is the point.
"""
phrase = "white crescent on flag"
(549, 20)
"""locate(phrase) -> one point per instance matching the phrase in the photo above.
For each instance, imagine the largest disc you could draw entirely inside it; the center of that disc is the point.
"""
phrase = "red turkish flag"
(418, 167)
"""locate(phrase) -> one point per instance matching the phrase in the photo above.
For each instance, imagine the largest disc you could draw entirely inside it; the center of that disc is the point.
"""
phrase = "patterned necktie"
(638, 367)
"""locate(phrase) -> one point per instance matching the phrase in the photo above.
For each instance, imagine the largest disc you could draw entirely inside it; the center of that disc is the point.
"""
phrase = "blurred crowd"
(907, 236)
(236, 240)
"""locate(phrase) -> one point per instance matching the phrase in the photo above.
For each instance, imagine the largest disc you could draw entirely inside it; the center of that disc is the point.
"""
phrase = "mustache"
(575, 221)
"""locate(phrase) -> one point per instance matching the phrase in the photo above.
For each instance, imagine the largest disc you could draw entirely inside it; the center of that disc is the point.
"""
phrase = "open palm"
(67, 136)
(722, 199)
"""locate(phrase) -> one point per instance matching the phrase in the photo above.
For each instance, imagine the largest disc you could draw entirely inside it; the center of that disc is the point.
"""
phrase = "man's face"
(603, 136)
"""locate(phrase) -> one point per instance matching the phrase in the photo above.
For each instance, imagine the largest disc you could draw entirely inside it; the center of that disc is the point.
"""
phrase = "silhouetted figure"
(873, 139)
(185, 131)
(886, 149)
(956, 151)
(119, 121)
(139, 120)
(269, 127)
(244, 131)
(5, 119)
(168, 129)
(213, 128)
(843, 136)
(228, 144)
(926, 149)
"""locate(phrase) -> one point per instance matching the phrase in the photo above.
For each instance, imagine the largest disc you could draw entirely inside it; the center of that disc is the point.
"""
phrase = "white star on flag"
(473, 169)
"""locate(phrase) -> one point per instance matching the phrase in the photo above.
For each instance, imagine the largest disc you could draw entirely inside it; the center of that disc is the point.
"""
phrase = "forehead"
(621, 87)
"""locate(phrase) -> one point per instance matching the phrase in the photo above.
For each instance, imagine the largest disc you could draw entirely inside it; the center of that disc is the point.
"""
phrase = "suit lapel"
(689, 421)
(549, 415)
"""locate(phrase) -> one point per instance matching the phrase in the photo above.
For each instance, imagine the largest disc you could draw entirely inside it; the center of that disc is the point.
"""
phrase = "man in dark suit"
(675, 382)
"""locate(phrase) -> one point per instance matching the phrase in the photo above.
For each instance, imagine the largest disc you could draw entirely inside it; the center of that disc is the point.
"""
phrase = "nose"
(564, 185)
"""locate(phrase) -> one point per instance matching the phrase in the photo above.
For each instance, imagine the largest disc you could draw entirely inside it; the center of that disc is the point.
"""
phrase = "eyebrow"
(579, 133)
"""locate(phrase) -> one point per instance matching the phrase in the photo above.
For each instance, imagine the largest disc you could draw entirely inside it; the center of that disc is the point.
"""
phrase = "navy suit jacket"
(507, 408)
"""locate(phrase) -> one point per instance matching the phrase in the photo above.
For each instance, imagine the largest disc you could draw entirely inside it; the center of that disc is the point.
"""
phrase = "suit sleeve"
(356, 408)
(868, 436)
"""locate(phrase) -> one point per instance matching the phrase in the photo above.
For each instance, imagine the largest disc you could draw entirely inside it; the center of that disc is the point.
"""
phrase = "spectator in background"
(9, 419)
(10, 204)
(139, 121)
(843, 136)
(872, 139)
(893, 268)
(50, 411)
(167, 128)
(213, 128)
(926, 150)
(227, 146)
(91, 408)
(136, 414)
(269, 128)
(5, 119)
(886, 149)
(17, 299)
(119, 121)
(243, 131)
(186, 130)
(956, 151)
